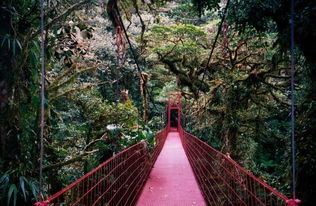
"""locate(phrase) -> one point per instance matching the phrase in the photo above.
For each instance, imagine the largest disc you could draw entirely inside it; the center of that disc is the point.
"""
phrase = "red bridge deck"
(171, 181)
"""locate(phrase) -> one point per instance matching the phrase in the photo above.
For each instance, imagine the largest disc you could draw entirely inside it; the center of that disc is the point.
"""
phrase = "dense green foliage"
(238, 102)
(274, 16)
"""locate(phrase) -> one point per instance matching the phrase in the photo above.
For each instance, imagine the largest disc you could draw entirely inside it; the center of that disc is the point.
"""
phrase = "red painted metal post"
(179, 110)
(174, 104)
(293, 202)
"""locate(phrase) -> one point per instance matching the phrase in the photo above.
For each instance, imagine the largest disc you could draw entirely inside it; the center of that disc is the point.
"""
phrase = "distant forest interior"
(110, 64)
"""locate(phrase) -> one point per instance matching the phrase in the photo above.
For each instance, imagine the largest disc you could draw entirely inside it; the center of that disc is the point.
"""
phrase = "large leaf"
(33, 189)
(12, 190)
(22, 185)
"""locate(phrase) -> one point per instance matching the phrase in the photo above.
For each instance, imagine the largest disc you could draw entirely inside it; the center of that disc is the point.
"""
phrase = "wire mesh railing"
(118, 181)
(223, 181)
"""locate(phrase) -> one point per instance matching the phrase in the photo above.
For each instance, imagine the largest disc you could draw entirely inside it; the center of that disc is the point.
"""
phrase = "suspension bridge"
(180, 170)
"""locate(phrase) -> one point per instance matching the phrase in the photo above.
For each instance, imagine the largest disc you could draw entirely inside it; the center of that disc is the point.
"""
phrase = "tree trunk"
(143, 89)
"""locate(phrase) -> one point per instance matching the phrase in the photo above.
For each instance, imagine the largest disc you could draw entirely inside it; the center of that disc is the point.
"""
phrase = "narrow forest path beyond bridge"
(191, 173)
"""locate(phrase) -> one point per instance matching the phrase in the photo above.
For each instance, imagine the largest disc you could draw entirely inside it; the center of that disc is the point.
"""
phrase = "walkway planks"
(171, 181)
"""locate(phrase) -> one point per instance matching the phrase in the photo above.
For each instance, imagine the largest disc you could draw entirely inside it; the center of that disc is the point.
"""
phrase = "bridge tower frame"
(174, 103)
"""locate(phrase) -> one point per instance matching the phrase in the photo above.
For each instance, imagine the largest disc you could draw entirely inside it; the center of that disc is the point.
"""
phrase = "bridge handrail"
(223, 181)
(109, 182)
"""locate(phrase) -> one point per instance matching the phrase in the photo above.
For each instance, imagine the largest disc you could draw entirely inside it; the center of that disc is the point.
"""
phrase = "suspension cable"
(216, 37)
(133, 54)
(293, 100)
(42, 97)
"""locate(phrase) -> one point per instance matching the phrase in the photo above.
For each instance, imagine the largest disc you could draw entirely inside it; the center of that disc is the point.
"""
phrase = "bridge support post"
(174, 104)
(293, 202)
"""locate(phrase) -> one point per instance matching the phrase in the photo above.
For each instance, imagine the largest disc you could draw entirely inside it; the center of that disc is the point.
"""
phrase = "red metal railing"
(223, 181)
(118, 181)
